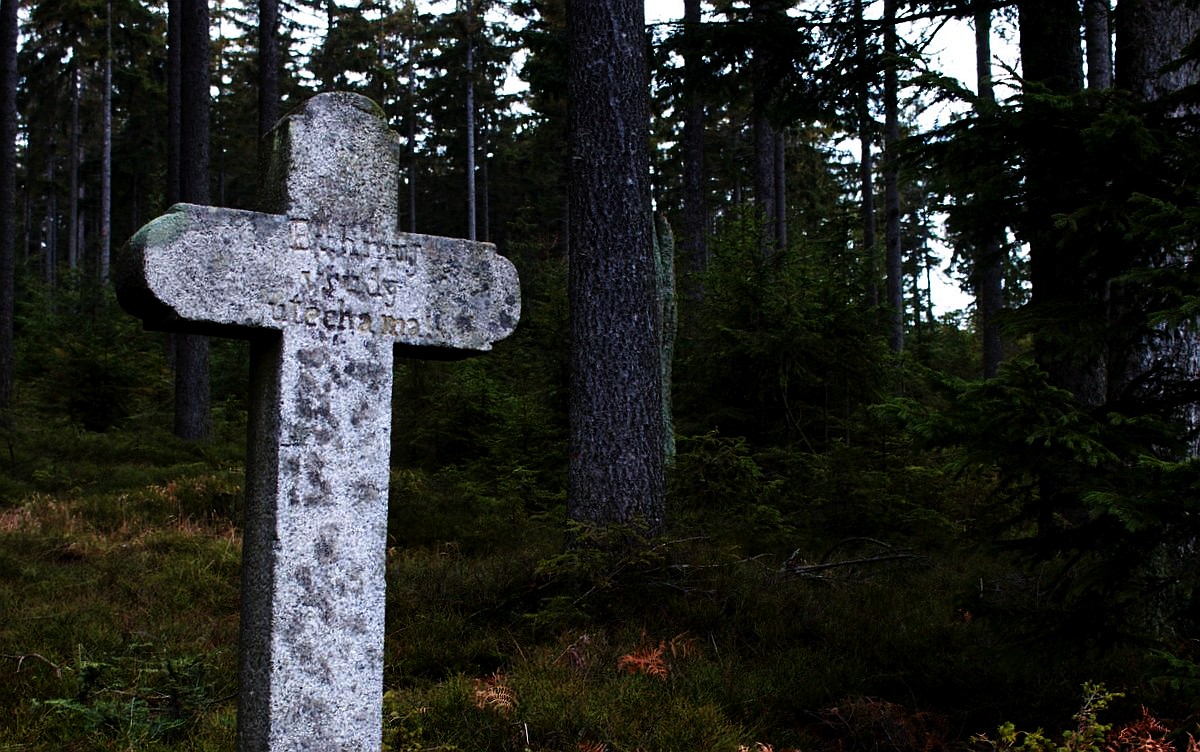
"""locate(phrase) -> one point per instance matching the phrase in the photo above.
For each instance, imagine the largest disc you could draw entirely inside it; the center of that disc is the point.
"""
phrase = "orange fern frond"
(684, 646)
(494, 694)
(647, 661)
(1147, 734)
(592, 747)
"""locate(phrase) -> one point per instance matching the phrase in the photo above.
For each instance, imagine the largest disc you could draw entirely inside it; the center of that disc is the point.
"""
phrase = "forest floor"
(119, 580)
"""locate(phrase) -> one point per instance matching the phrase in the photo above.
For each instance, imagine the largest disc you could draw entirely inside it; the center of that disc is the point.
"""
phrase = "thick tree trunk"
(1151, 34)
(1098, 37)
(191, 351)
(8, 191)
(989, 251)
(893, 253)
(695, 205)
(616, 447)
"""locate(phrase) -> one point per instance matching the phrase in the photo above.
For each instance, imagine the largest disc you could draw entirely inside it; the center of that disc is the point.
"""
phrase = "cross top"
(328, 254)
(326, 290)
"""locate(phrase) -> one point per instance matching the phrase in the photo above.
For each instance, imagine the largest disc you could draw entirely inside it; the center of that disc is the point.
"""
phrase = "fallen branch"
(809, 569)
(20, 659)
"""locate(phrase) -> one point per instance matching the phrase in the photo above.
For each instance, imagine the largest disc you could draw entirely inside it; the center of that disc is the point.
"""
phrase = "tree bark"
(106, 152)
(174, 41)
(412, 134)
(989, 251)
(866, 167)
(781, 228)
(73, 171)
(1064, 293)
(695, 208)
(268, 68)
(191, 351)
(1150, 35)
(1098, 37)
(615, 470)
(50, 227)
(764, 180)
(766, 169)
(471, 222)
(8, 191)
(893, 253)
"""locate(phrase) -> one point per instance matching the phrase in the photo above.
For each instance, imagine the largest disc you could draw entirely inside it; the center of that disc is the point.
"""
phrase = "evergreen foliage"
(863, 551)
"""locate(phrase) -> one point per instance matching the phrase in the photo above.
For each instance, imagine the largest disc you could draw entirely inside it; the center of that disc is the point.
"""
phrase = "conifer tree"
(615, 470)
(191, 351)
(8, 174)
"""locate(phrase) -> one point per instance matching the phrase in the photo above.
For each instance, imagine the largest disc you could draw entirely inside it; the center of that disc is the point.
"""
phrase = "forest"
(799, 507)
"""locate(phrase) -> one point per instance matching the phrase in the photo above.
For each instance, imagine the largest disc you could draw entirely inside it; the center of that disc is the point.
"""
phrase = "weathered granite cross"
(325, 288)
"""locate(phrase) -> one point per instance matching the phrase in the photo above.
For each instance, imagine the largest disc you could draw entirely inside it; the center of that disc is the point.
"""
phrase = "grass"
(120, 568)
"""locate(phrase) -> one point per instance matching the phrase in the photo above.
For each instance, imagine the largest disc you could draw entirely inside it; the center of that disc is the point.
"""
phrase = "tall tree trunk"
(471, 225)
(764, 180)
(8, 191)
(695, 208)
(174, 64)
(191, 351)
(781, 238)
(73, 171)
(891, 180)
(106, 152)
(615, 472)
(485, 203)
(268, 68)
(1151, 34)
(50, 228)
(989, 251)
(664, 249)
(763, 13)
(412, 137)
(866, 167)
(1097, 35)
(1067, 344)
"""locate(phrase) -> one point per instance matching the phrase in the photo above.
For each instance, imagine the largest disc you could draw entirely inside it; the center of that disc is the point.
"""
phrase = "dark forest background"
(883, 528)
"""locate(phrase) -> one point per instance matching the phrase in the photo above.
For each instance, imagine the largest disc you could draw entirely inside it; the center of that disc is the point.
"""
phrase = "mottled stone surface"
(326, 289)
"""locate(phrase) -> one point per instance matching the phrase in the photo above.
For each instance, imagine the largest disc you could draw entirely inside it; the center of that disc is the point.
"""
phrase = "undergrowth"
(838, 581)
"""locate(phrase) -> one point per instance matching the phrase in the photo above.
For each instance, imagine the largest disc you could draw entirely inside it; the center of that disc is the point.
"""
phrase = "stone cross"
(326, 289)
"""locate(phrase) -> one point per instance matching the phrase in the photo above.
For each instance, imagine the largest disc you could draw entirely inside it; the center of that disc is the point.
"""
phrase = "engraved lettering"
(298, 235)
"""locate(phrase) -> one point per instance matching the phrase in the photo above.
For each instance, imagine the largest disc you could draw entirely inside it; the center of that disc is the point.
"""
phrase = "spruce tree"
(615, 473)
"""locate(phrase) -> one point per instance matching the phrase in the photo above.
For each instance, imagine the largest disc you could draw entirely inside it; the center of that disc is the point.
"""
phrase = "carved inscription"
(352, 280)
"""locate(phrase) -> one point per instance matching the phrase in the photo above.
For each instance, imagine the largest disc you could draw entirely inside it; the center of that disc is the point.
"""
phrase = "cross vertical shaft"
(311, 674)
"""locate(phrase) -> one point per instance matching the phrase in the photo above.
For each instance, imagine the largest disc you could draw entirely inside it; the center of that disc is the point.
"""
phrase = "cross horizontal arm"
(231, 272)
